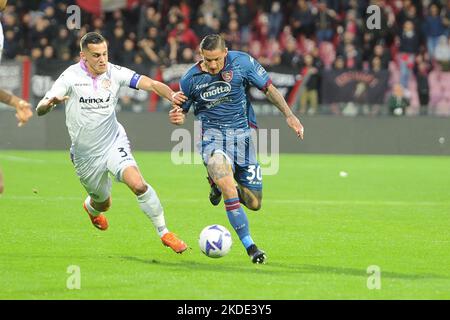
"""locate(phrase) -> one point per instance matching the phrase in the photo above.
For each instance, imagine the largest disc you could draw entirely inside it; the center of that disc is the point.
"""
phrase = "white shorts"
(94, 171)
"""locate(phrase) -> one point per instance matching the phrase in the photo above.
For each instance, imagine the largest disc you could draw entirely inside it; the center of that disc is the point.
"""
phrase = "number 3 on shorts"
(123, 152)
(255, 172)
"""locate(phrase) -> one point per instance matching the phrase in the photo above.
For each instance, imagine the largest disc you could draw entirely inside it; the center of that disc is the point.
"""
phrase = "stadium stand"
(150, 36)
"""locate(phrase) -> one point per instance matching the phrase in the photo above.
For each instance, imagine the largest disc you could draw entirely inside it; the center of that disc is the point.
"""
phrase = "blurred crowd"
(308, 36)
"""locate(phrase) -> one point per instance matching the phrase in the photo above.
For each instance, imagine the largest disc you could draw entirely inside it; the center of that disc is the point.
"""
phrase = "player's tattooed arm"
(5, 97)
(278, 100)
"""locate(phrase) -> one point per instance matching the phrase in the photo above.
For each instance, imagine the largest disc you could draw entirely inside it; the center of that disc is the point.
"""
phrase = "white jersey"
(90, 109)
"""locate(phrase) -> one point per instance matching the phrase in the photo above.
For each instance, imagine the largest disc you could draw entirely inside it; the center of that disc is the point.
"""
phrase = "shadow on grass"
(273, 268)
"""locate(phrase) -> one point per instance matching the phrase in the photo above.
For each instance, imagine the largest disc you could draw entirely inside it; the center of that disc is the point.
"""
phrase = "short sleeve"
(186, 89)
(256, 74)
(60, 88)
(126, 77)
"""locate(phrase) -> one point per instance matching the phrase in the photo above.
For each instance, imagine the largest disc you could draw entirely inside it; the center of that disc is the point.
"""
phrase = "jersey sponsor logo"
(94, 100)
(201, 86)
(216, 90)
(82, 84)
(227, 75)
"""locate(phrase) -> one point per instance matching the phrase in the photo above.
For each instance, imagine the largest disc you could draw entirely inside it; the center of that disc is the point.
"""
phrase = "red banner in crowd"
(98, 6)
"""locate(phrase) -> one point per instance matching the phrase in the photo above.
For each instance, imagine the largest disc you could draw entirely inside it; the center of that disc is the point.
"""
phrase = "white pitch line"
(21, 159)
(274, 201)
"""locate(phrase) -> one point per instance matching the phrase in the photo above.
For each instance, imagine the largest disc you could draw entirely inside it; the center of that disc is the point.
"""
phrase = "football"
(215, 241)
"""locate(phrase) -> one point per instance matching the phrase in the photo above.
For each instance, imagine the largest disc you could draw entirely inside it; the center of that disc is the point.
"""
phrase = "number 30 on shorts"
(254, 172)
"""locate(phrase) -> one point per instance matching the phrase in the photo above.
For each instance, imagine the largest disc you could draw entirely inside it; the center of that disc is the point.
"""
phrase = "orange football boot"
(99, 221)
(171, 240)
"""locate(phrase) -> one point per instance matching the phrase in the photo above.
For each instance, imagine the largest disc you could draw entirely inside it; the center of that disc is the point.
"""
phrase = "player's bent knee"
(254, 205)
(138, 188)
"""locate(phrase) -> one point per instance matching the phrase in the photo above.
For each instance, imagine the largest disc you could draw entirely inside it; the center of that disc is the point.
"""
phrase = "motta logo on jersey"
(216, 90)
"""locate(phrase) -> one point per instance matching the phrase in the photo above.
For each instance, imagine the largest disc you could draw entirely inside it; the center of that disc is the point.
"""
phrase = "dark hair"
(212, 42)
(91, 37)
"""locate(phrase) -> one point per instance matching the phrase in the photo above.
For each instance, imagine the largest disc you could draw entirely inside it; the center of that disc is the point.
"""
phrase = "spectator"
(10, 23)
(409, 47)
(173, 19)
(127, 53)
(149, 48)
(201, 29)
(184, 35)
(442, 53)
(353, 59)
(290, 57)
(302, 20)
(433, 29)
(325, 20)
(309, 92)
(63, 42)
(275, 20)
(187, 56)
(61, 13)
(212, 9)
(380, 52)
(11, 46)
(352, 25)
(422, 70)
(338, 65)
(244, 19)
(398, 101)
(149, 18)
(347, 38)
(446, 18)
(115, 43)
(40, 34)
(158, 40)
(139, 65)
(376, 65)
(233, 35)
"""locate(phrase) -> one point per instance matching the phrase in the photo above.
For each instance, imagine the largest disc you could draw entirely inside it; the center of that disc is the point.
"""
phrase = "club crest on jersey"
(227, 75)
(106, 84)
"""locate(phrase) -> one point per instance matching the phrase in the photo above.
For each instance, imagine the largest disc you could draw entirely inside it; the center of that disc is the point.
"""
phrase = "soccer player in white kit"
(100, 144)
(23, 108)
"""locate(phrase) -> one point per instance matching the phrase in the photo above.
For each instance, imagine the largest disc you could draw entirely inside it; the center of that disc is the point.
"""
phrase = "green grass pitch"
(321, 232)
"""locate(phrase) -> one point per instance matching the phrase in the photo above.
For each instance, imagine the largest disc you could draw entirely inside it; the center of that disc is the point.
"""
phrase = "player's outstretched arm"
(162, 90)
(23, 108)
(278, 100)
(46, 105)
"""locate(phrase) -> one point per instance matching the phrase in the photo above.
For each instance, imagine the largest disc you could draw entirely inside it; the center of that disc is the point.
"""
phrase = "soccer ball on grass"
(215, 241)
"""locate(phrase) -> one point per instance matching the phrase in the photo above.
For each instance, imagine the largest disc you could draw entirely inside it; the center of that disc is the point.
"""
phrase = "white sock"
(151, 206)
(91, 209)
